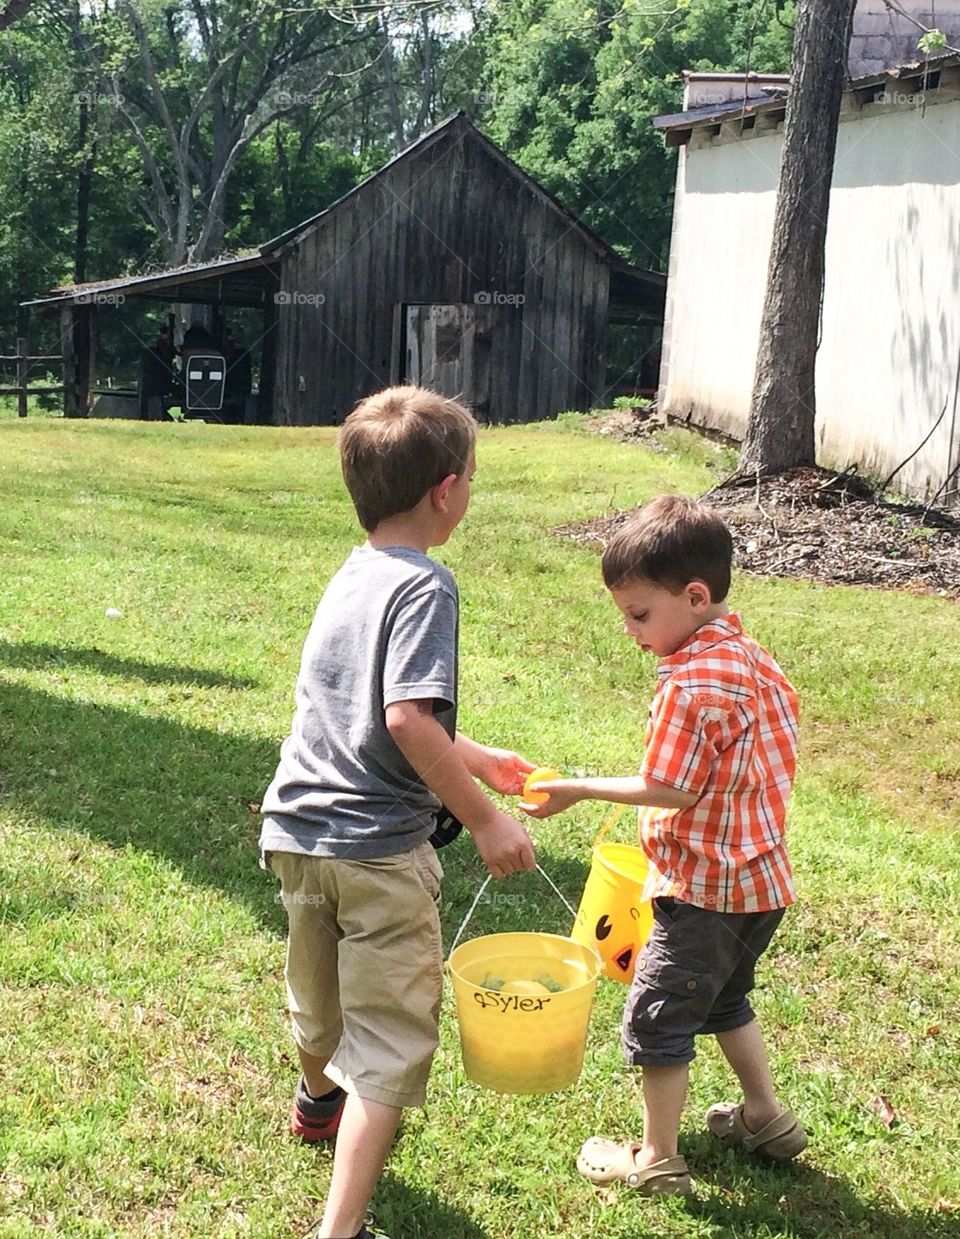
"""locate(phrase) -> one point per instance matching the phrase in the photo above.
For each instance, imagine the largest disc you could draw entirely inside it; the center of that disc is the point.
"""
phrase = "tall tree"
(196, 83)
(780, 433)
(14, 11)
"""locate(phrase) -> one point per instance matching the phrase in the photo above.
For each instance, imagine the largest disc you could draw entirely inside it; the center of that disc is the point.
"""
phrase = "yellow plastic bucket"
(615, 917)
(523, 1006)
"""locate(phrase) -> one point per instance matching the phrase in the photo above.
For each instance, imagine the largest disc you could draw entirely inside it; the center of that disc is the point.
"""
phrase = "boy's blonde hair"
(398, 444)
(671, 541)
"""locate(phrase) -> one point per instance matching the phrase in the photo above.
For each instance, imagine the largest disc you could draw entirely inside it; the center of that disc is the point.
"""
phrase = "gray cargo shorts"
(691, 978)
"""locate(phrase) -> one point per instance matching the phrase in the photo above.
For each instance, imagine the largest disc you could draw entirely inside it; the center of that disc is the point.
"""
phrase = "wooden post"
(92, 333)
(66, 349)
(266, 414)
(75, 335)
(23, 369)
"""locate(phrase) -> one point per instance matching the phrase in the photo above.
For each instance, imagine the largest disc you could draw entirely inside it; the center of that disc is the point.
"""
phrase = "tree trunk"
(780, 434)
(84, 189)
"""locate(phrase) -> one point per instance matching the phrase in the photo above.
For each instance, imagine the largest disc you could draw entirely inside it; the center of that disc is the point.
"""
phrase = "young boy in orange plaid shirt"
(717, 770)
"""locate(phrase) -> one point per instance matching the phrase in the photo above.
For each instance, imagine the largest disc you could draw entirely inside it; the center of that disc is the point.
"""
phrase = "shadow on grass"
(185, 794)
(798, 1200)
(189, 795)
(43, 656)
(411, 1213)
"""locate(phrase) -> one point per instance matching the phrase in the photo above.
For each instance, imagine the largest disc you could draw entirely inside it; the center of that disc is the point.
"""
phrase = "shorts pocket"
(673, 978)
(430, 870)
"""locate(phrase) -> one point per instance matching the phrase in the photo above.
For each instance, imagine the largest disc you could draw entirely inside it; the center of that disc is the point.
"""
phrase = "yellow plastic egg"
(526, 989)
(543, 774)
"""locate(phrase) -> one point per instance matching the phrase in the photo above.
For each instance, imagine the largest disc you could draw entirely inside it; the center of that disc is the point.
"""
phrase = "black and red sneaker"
(316, 1118)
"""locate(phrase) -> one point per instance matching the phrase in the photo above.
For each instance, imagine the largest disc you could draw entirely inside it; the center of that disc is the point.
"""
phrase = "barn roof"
(252, 278)
(248, 280)
(460, 125)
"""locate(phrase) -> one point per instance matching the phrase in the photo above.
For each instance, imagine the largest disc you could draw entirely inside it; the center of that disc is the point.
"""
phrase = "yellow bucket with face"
(523, 1007)
(615, 916)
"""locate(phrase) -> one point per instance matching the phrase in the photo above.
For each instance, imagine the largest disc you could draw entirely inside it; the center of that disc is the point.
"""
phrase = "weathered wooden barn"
(449, 267)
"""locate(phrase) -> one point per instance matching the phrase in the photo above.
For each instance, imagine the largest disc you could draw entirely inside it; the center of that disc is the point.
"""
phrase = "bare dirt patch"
(819, 525)
(640, 422)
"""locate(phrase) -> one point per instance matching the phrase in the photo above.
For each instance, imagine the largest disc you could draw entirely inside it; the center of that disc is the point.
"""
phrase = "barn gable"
(450, 267)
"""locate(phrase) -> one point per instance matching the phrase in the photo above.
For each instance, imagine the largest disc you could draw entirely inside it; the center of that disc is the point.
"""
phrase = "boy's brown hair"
(671, 541)
(398, 444)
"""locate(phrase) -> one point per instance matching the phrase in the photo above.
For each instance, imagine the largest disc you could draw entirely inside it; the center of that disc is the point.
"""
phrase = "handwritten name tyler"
(508, 1002)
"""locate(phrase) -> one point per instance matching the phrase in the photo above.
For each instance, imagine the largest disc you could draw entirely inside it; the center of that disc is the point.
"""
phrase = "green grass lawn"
(145, 1061)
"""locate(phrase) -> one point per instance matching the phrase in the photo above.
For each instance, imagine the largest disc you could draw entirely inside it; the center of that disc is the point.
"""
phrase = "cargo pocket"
(668, 1000)
(675, 978)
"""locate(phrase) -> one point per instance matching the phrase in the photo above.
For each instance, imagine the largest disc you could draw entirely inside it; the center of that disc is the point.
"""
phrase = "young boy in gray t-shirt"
(372, 753)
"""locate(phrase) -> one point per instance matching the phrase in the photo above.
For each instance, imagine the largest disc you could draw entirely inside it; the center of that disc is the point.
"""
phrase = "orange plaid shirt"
(723, 727)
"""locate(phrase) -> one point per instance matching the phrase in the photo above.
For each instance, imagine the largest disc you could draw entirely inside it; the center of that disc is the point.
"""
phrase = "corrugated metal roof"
(265, 274)
(777, 97)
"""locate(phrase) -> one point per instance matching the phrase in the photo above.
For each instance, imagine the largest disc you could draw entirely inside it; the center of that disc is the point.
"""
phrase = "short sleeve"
(421, 649)
(679, 748)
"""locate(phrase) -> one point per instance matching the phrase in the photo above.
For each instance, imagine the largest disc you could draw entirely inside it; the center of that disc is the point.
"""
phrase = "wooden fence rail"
(23, 357)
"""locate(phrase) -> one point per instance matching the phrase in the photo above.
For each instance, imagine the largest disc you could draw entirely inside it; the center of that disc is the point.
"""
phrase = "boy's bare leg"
(664, 1092)
(363, 1145)
(744, 1050)
(313, 1068)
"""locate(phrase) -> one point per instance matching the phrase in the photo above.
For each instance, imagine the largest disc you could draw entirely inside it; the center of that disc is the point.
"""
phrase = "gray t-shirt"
(385, 631)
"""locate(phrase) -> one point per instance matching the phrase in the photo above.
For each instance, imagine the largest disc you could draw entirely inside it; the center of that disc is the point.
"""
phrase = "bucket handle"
(612, 819)
(608, 825)
(479, 895)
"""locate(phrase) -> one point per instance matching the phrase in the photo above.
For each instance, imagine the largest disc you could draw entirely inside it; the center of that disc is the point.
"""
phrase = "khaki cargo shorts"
(364, 969)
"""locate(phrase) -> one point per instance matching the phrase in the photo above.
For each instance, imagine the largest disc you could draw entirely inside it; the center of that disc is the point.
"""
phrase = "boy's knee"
(728, 1016)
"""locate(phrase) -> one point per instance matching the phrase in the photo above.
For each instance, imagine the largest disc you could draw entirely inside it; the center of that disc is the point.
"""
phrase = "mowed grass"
(146, 1063)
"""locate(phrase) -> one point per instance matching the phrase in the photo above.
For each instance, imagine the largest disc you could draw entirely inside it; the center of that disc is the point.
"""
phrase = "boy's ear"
(699, 593)
(442, 489)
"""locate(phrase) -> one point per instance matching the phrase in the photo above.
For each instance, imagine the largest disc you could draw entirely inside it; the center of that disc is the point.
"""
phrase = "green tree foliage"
(570, 89)
(37, 114)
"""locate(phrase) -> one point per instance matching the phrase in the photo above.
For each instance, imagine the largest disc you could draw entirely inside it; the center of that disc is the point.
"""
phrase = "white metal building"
(889, 362)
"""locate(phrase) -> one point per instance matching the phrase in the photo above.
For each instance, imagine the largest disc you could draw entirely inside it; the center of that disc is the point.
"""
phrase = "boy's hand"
(503, 771)
(563, 793)
(504, 846)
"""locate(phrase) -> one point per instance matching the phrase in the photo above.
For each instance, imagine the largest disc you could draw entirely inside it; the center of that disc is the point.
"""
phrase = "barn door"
(448, 349)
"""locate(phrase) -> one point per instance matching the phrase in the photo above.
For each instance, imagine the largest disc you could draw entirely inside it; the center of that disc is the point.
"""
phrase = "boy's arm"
(500, 769)
(637, 790)
(501, 840)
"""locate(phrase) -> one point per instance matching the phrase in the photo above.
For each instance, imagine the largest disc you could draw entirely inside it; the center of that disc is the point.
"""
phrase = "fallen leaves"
(884, 1111)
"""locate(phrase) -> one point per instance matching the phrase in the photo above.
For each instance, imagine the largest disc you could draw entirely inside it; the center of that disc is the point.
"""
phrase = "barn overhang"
(251, 280)
(636, 295)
